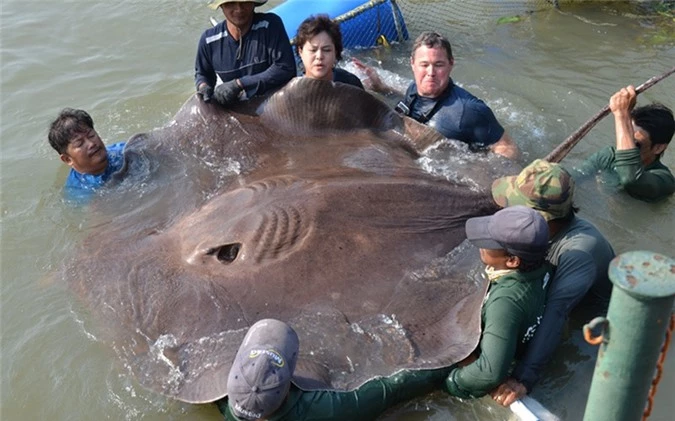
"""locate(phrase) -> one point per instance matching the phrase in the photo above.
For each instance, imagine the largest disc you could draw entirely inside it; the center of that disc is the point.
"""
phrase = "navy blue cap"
(519, 230)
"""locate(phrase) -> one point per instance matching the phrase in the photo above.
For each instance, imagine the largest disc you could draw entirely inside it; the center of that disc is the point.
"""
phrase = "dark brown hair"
(657, 120)
(69, 123)
(313, 26)
(432, 39)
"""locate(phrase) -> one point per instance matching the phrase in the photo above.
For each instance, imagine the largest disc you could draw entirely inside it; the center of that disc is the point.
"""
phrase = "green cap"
(216, 3)
(542, 186)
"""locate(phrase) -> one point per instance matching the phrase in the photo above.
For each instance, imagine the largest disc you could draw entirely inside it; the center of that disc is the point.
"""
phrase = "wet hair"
(657, 120)
(432, 39)
(69, 123)
(313, 26)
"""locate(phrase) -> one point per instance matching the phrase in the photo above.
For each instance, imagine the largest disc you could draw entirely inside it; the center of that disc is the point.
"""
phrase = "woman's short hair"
(313, 26)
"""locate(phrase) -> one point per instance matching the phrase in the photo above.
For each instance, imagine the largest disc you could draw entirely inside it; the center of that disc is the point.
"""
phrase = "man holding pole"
(642, 136)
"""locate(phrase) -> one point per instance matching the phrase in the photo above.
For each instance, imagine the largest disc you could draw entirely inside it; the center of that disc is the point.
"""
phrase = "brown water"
(130, 64)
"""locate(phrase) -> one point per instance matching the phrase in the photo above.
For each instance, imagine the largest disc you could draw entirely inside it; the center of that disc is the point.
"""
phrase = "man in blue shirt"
(248, 54)
(435, 100)
(72, 135)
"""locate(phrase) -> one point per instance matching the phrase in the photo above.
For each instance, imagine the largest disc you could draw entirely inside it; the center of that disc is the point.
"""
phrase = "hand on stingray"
(227, 93)
(206, 92)
(372, 80)
(508, 392)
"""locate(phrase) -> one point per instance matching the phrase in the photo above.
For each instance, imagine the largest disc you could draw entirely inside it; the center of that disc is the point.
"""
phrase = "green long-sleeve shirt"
(511, 313)
(651, 183)
(363, 404)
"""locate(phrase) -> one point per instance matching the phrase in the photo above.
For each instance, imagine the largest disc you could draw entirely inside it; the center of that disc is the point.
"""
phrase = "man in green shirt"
(642, 135)
(513, 244)
(259, 384)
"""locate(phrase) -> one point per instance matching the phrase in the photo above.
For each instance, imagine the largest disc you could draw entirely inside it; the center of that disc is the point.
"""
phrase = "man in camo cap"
(580, 253)
(542, 186)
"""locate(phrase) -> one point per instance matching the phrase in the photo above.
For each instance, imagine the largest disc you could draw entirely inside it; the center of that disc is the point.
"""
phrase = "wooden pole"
(566, 146)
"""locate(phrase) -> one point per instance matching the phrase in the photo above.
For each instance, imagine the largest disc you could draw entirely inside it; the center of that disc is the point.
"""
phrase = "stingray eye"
(225, 253)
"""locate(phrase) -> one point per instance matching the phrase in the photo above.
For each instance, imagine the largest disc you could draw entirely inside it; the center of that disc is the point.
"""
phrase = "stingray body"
(310, 207)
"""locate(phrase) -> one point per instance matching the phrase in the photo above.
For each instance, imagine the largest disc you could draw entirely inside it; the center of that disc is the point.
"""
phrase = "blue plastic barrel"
(362, 31)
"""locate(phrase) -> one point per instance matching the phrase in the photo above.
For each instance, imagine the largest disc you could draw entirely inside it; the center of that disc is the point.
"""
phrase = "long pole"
(563, 149)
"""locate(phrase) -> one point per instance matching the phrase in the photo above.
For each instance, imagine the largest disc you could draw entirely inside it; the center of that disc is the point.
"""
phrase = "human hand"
(508, 392)
(227, 93)
(372, 80)
(623, 101)
(205, 91)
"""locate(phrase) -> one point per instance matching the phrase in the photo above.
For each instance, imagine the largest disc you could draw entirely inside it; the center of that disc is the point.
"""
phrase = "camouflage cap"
(543, 186)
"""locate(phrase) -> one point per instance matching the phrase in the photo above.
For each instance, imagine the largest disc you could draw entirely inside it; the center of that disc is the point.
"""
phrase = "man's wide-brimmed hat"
(216, 3)
(543, 186)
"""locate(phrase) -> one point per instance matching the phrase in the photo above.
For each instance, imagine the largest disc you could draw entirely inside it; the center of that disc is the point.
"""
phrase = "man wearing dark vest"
(247, 54)
(435, 100)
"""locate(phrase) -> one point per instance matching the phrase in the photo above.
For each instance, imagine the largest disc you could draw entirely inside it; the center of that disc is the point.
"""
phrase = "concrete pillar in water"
(633, 333)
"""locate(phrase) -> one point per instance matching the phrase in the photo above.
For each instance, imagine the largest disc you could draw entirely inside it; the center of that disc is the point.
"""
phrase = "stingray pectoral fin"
(420, 135)
(311, 106)
(132, 153)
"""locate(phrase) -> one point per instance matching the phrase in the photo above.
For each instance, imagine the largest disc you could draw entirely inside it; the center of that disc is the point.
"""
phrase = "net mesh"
(385, 21)
(378, 22)
(374, 23)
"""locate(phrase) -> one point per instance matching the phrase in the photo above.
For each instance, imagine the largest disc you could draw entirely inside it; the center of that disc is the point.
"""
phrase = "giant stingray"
(311, 207)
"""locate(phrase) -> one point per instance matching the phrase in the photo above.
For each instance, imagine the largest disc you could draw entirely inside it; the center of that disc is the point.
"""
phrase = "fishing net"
(384, 21)
(376, 22)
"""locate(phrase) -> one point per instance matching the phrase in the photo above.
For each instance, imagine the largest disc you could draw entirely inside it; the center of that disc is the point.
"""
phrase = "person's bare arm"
(373, 81)
(505, 146)
(621, 104)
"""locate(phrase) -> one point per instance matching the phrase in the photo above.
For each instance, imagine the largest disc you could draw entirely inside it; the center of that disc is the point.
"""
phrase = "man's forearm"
(624, 131)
